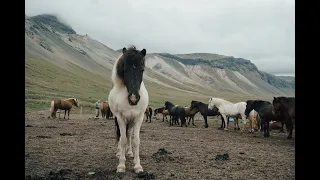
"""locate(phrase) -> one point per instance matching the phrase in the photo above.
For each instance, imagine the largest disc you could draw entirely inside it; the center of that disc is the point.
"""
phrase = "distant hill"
(178, 77)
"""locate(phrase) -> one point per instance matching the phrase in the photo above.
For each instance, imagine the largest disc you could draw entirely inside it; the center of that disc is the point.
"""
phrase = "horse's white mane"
(114, 77)
(71, 99)
(219, 101)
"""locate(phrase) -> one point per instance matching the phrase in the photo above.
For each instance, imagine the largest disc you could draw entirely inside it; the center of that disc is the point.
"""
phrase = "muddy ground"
(84, 148)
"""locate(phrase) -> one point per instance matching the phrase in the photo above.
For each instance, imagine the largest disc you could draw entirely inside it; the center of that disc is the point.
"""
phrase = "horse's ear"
(124, 50)
(143, 52)
(274, 98)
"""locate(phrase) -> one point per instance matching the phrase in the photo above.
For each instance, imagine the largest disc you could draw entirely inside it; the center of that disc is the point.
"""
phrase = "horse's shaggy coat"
(128, 100)
(63, 104)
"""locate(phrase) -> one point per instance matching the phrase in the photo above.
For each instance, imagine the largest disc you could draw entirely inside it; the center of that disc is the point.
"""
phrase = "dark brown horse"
(161, 111)
(285, 107)
(63, 104)
(205, 112)
(105, 110)
(148, 113)
(191, 113)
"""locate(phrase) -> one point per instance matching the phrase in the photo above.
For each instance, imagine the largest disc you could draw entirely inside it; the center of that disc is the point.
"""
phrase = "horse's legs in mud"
(162, 117)
(289, 127)
(129, 137)
(183, 121)
(122, 145)
(282, 124)
(205, 121)
(65, 112)
(235, 123)
(225, 121)
(265, 127)
(136, 143)
(68, 113)
(170, 122)
(222, 123)
(192, 120)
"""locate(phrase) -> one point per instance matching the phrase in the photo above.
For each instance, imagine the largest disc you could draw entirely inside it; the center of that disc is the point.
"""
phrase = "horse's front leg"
(192, 121)
(282, 124)
(68, 113)
(129, 137)
(205, 121)
(136, 142)
(65, 112)
(289, 127)
(122, 144)
(225, 122)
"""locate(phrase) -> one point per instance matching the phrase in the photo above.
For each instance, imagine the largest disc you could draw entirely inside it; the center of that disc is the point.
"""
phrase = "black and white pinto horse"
(128, 101)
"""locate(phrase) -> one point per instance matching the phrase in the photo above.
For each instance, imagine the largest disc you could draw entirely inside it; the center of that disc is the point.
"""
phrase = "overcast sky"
(262, 31)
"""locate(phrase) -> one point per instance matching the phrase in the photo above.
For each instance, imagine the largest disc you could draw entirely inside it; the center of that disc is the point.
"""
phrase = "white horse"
(227, 108)
(128, 101)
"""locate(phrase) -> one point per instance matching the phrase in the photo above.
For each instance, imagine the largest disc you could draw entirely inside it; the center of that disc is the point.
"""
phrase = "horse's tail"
(52, 108)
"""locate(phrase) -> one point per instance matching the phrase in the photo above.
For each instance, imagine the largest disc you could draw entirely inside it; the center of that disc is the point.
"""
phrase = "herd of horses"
(128, 104)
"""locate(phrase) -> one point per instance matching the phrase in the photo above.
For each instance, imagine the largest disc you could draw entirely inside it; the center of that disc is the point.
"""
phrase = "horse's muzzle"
(133, 99)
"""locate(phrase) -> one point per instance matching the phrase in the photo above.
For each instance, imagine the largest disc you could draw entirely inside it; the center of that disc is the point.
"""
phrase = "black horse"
(285, 107)
(264, 109)
(205, 112)
(178, 111)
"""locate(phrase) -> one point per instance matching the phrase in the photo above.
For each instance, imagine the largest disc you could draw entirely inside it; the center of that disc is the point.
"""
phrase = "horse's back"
(104, 106)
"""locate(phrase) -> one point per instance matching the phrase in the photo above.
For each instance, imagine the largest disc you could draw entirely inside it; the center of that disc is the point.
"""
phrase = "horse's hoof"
(206, 126)
(225, 129)
(121, 168)
(138, 168)
(238, 128)
(130, 154)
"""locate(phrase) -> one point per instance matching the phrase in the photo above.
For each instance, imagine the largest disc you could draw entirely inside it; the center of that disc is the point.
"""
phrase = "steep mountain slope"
(180, 77)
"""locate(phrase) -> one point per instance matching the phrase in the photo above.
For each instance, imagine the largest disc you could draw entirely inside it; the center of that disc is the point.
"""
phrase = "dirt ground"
(84, 148)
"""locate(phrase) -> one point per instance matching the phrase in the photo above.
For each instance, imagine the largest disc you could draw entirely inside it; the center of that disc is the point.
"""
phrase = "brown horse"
(253, 121)
(104, 106)
(163, 112)
(148, 113)
(285, 107)
(63, 104)
(191, 113)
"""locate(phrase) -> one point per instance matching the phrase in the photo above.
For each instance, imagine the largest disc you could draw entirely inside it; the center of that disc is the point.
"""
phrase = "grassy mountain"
(62, 63)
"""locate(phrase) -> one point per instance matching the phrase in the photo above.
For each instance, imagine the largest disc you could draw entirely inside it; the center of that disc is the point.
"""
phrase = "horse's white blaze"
(127, 114)
(227, 108)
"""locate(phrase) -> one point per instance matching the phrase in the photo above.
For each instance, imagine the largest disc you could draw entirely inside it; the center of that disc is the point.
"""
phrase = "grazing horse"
(176, 112)
(148, 113)
(253, 121)
(104, 108)
(264, 110)
(162, 111)
(190, 113)
(63, 104)
(285, 107)
(128, 100)
(227, 108)
(204, 111)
